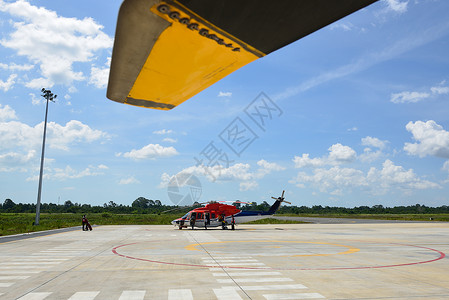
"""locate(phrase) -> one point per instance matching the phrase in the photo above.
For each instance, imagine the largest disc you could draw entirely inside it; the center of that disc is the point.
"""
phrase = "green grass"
(14, 223)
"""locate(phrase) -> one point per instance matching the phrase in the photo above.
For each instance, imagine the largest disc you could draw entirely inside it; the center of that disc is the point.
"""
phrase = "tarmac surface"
(288, 261)
(319, 220)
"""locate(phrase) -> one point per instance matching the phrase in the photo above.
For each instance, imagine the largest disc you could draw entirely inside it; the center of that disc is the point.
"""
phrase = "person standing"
(192, 220)
(84, 221)
(86, 224)
(207, 220)
(223, 222)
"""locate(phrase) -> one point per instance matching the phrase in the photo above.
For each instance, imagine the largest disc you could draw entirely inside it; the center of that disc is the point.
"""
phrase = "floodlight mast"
(48, 95)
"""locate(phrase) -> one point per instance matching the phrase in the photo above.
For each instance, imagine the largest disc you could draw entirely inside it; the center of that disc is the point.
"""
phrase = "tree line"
(143, 205)
(139, 206)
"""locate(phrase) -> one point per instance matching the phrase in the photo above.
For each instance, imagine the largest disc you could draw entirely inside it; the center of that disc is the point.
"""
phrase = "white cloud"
(163, 131)
(341, 154)
(337, 179)
(373, 142)
(239, 172)
(6, 85)
(59, 136)
(305, 161)
(413, 97)
(15, 134)
(169, 140)
(248, 185)
(7, 113)
(99, 77)
(68, 173)
(408, 97)
(267, 166)
(53, 42)
(13, 161)
(440, 90)
(396, 5)
(224, 94)
(392, 176)
(331, 180)
(165, 180)
(39, 83)
(446, 166)
(35, 100)
(369, 155)
(338, 154)
(431, 139)
(339, 25)
(150, 151)
(14, 67)
(129, 180)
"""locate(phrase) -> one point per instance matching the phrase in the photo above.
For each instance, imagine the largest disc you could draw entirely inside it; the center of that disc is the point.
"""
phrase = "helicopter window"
(200, 216)
(212, 215)
(185, 216)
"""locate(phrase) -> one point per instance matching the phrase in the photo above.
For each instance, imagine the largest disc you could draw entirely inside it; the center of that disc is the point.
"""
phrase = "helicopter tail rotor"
(281, 198)
(277, 204)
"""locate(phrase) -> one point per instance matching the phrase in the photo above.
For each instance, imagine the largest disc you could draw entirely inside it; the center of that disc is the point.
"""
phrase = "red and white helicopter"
(216, 214)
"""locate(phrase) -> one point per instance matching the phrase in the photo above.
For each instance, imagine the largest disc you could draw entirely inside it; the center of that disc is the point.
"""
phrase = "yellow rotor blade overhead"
(167, 51)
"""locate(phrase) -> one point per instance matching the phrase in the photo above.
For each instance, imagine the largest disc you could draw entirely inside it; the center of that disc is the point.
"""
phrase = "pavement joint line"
(35, 234)
(224, 270)
(59, 275)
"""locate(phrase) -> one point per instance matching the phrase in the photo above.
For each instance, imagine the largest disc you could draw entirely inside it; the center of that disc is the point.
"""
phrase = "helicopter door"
(214, 220)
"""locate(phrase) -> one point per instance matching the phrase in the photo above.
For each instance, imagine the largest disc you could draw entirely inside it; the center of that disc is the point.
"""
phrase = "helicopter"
(215, 214)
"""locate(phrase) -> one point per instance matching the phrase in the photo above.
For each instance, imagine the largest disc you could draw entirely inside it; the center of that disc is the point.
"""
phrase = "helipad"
(297, 261)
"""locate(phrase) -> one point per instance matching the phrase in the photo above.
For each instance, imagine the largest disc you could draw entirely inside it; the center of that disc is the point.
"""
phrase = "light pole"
(47, 94)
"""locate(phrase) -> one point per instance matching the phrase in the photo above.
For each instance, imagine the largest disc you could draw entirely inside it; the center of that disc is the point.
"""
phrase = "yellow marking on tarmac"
(192, 247)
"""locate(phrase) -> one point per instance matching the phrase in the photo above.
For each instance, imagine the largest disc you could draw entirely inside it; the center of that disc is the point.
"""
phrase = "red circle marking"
(442, 255)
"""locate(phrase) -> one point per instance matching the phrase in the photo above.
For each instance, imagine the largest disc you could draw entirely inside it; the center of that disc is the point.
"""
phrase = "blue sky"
(362, 114)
